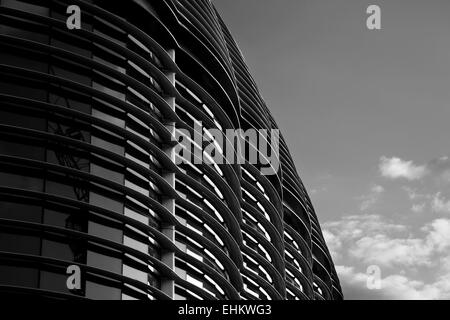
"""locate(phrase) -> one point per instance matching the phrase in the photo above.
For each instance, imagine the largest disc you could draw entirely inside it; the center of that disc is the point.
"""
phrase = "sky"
(365, 114)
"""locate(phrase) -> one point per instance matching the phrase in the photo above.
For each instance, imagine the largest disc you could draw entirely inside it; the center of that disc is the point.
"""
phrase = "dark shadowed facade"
(87, 161)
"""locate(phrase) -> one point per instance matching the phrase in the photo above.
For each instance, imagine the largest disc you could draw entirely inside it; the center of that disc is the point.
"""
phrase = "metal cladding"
(88, 173)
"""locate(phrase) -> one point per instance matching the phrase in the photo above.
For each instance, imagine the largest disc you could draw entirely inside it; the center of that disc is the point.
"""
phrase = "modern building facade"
(87, 161)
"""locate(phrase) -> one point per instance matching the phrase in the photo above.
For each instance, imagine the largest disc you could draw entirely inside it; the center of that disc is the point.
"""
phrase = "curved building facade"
(88, 162)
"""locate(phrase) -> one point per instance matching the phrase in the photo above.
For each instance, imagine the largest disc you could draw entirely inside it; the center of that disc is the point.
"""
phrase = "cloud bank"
(364, 240)
(395, 168)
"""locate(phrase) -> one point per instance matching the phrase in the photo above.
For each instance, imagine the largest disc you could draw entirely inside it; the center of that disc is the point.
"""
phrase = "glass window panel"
(20, 181)
(107, 89)
(54, 282)
(98, 291)
(107, 173)
(135, 274)
(71, 71)
(104, 262)
(127, 297)
(19, 119)
(131, 242)
(71, 44)
(18, 276)
(61, 189)
(19, 243)
(106, 202)
(136, 216)
(109, 114)
(11, 87)
(55, 218)
(137, 188)
(57, 250)
(110, 146)
(102, 228)
(13, 147)
(20, 211)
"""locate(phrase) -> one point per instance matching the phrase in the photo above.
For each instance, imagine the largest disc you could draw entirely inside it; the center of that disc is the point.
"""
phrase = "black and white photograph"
(225, 159)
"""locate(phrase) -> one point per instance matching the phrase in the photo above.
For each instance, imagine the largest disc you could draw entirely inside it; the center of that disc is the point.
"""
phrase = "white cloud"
(333, 242)
(418, 207)
(395, 168)
(351, 228)
(422, 199)
(369, 200)
(438, 234)
(441, 169)
(315, 191)
(382, 250)
(440, 204)
(414, 256)
(373, 240)
(414, 195)
(377, 189)
(437, 202)
(395, 286)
